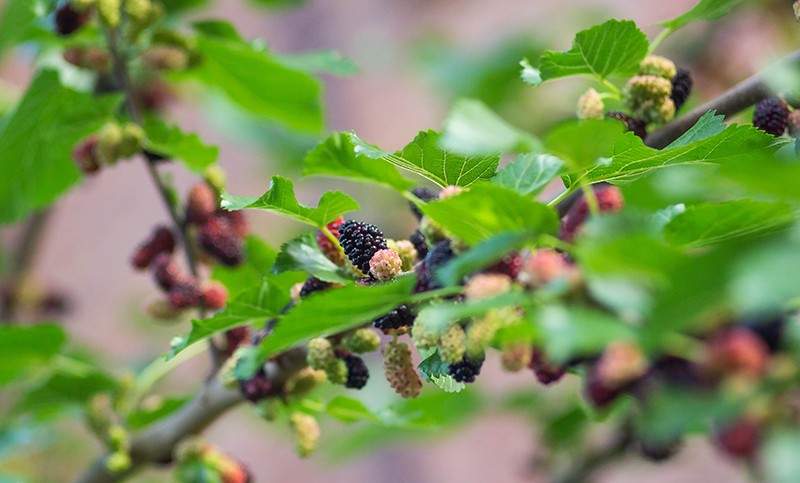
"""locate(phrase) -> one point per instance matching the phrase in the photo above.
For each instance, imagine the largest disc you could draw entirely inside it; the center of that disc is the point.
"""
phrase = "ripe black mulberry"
(360, 242)
(772, 116)
(681, 87)
(399, 318)
(357, 372)
(466, 370)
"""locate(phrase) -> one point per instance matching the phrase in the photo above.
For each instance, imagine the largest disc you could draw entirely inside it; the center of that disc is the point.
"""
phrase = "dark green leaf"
(303, 254)
(436, 371)
(487, 210)
(614, 47)
(176, 6)
(174, 143)
(36, 143)
(260, 83)
(471, 128)
(708, 125)
(280, 199)
(26, 348)
(529, 173)
(345, 155)
(711, 223)
(17, 22)
(703, 10)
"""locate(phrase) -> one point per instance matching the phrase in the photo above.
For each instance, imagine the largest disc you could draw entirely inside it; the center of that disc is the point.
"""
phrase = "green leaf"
(425, 157)
(703, 10)
(710, 223)
(174, 143)
(332, 311)
(217, 28)
(480, 256)
(280, 199)
(260, 83)
(321, 62)
(765, 175)
(436, 371)
(349, 410)
(176, 6)
(529, 173)
(36, 143)
(708, 125)
(571, 332)
(487, 210)
(471, 128)
(762, 280)
(303, 254)
(258, 260)
(255, 305)
(614, 47)
(343, 154)
(17, 22)
(582, 144)
(27, 348)
(630, 158)
(530, 74)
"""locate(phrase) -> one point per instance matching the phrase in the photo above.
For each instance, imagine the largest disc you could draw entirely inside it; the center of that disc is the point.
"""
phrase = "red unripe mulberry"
(609, 200)
(328, 248)
(161, 241)
(236, 337)
(201, 203)
(215, 295)
(219, 240)
(740, 439)
(237, 221)
(166, 272)
(738, 351)
(545, 371)
(85, 155)
(184, 294)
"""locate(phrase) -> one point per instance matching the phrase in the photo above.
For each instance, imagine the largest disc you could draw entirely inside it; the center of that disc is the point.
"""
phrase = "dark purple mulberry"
(466, 370)
(439, 255)
(400, 317)
(636, 126)
(772, 116)
(360, 242)
(681, 87)
(257, 387)
(357, 372)
(69, 20)
(418, 240)
(312, 285)
(425, 194)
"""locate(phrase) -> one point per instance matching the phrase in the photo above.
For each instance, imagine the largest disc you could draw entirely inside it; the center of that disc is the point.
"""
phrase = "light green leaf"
(571, 332)
(581, 144)
(260, 83)
(471, 128)
(480, 256)
(530, 74)
(488, 210)
(280, 199)
(614, 47)
(258, 261)
(18, 20)
(425, 157)
(321, 62)
(217, 28)
(36, 143)
(255, 305)
(763, 280)
(435, 370)
(343, 154)
(349, 410)
(710, 223)
(303, 254)
(176, 6)
(703, 10)
(708, 125)
(27, 347)
(529, 173)
(172, 142)
(332, 311)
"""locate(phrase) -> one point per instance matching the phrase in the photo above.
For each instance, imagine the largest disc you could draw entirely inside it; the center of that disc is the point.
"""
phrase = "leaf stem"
(666, 32)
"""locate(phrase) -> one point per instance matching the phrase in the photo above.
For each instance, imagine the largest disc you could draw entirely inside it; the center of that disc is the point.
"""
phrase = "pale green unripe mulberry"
(431, 230)
(118, 461)
(452, 344)
(591, 106)
(648, 98)
(424, 337)
(108, 141)
(362, 340)
(322, 357)
(658, 66)
(306, 432)
(405, 249)
(109, 11)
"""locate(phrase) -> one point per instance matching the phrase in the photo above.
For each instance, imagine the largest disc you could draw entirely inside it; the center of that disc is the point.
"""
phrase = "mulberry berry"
(590, 105)
(658, 66)
(546, 372)
(362, 340)
(621, 363)
(237, 222)
(439, 255)
(399, 370)
(682, 85)
(596, 391)
(328, 248)
(452, 344)
(486, 285)
(418, 240)
(609, 200)
(257, 387)
(481, 332)
(360, 242)
(405, 249)
(306, 432)
(772, 116)
(160, 241)
(166, 272)
(509, 265)
(85, 155)
(738, 351)
(69, 19)
(185, 294)
(321, 356)
(312, 285)
(218, 239)
(357, 372)
(545, 265)
(214, 296)
(385, 265)
(632, 124)
(466, 370)
(516, 357)
(401, 317)
(201, 203)
(740, 439)
(425, 194)
(235, 337)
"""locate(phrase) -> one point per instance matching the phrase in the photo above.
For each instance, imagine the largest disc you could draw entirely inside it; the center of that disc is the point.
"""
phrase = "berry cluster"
(651, 97)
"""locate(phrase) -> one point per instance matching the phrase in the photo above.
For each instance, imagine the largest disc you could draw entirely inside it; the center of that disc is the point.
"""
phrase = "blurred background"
(414, 58)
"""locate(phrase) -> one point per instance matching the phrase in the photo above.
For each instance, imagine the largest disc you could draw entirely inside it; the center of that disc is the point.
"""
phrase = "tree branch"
(736, 99)
(21, 260)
